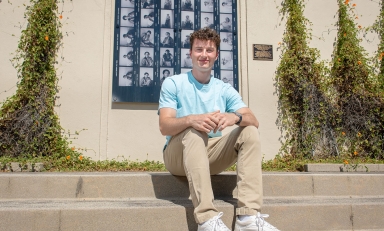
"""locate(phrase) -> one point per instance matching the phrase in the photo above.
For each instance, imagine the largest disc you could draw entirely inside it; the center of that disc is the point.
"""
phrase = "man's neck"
(201, 77)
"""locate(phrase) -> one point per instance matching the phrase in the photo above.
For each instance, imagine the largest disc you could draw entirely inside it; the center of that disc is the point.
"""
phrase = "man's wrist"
(239, 118)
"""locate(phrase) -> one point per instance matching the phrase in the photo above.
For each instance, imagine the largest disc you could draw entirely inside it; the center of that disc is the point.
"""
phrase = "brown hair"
(205, 34)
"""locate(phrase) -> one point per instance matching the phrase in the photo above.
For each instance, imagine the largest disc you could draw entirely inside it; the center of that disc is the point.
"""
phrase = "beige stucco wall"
(130, 130)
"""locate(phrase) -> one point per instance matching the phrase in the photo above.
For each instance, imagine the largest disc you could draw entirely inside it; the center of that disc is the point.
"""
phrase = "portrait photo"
(167, 4)
(167, 38)
(207, 6)
(226, 60)
(187, 20)
(146, 77)
(165, 73)
(147, 18)
(146, 57)
(127, 3)
(186, 60)
(225, 6)
(227, 77)
(187, 5)
(207, 20)
(146, 37)
(127, 35)
(226, 41)
(126, 56)
(185, 38)
(127, 17)
(145, 4)
(166, 19)
(126, 78)
(226, 22)
(167, 57)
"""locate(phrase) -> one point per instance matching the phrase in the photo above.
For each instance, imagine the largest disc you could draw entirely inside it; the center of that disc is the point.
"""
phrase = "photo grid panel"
(167, 4)
(167, 19)
(207, 20)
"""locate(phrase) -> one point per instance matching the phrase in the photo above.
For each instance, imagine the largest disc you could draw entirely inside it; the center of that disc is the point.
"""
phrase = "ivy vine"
(322, 111)
(303, 106)
(29, 125)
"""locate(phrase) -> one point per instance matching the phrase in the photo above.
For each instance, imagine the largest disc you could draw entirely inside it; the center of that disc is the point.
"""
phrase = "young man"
(194, 108)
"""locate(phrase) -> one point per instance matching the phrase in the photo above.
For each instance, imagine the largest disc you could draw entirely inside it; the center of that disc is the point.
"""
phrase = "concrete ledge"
(344, 168)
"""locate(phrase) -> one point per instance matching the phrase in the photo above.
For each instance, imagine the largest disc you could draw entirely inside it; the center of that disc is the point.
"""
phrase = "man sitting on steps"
(194, 108)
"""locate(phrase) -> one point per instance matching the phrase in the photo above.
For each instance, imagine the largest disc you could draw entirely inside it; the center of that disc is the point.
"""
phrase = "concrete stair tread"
(151, 202)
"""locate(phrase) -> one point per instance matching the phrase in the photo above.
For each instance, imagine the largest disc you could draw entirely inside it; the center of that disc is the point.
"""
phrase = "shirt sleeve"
(233, 100)
(168, 94)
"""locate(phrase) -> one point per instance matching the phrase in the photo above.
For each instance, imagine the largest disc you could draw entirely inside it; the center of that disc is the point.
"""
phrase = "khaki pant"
(191, 153)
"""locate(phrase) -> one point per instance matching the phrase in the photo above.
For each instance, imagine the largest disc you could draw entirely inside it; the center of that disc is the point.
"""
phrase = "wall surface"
(130, 130)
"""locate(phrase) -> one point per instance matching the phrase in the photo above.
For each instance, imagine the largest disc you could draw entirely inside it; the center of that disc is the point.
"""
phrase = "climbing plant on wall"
(360, 126)
(300, 85)
(29, 125)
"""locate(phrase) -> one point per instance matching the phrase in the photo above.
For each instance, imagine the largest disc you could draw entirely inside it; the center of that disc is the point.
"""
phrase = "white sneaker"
(254, 223)
(214, 224)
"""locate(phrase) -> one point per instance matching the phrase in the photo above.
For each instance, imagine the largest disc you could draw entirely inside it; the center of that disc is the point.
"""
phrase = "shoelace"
(260, 220)
(217, 223)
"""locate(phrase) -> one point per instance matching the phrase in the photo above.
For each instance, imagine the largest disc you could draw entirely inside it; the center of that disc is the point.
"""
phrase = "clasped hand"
(214, 121)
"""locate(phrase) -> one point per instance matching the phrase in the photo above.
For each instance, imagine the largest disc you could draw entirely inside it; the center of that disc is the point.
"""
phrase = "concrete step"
(164, 185)
(159, 201)
(155, 214)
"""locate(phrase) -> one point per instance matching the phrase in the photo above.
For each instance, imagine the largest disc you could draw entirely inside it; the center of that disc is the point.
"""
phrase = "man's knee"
(251, 134)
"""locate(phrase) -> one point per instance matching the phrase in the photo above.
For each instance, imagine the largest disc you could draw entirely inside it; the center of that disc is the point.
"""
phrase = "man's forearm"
(173, 126)
(249, 120)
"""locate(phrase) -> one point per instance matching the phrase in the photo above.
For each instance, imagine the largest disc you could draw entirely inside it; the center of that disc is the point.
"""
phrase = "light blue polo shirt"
(187, 96)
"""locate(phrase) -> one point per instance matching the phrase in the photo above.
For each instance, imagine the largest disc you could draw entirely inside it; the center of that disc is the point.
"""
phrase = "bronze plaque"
(262, 52)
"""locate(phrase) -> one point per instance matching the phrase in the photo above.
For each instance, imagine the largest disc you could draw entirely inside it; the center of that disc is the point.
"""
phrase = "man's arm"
(170, 125)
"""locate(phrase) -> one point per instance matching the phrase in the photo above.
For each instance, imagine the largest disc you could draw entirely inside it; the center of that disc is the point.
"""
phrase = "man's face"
(204, 54)
(146, 54)
(166, 74)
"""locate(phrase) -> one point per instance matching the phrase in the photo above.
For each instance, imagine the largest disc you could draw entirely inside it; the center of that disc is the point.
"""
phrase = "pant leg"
(186, 155)
(241, 145)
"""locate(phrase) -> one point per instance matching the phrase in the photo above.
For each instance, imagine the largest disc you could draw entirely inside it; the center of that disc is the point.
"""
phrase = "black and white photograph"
(127, 17)
(167, 38)
(145, 4)
(165, 73)
(127, 36)
(185, 38)
(187, 20)
(146, 37)
(225, 6)
(167, 57)
(167, 4)
(126, 77)
(166, 20)
(227, 77)
(126, 56)
(187, 5)
(226, 41)
(207, 6)
(207, 20)
(186, 60)
(226, 22)
(127, 3)
(146, 77)
(146, 57)
(226, 60)
(147, 18)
